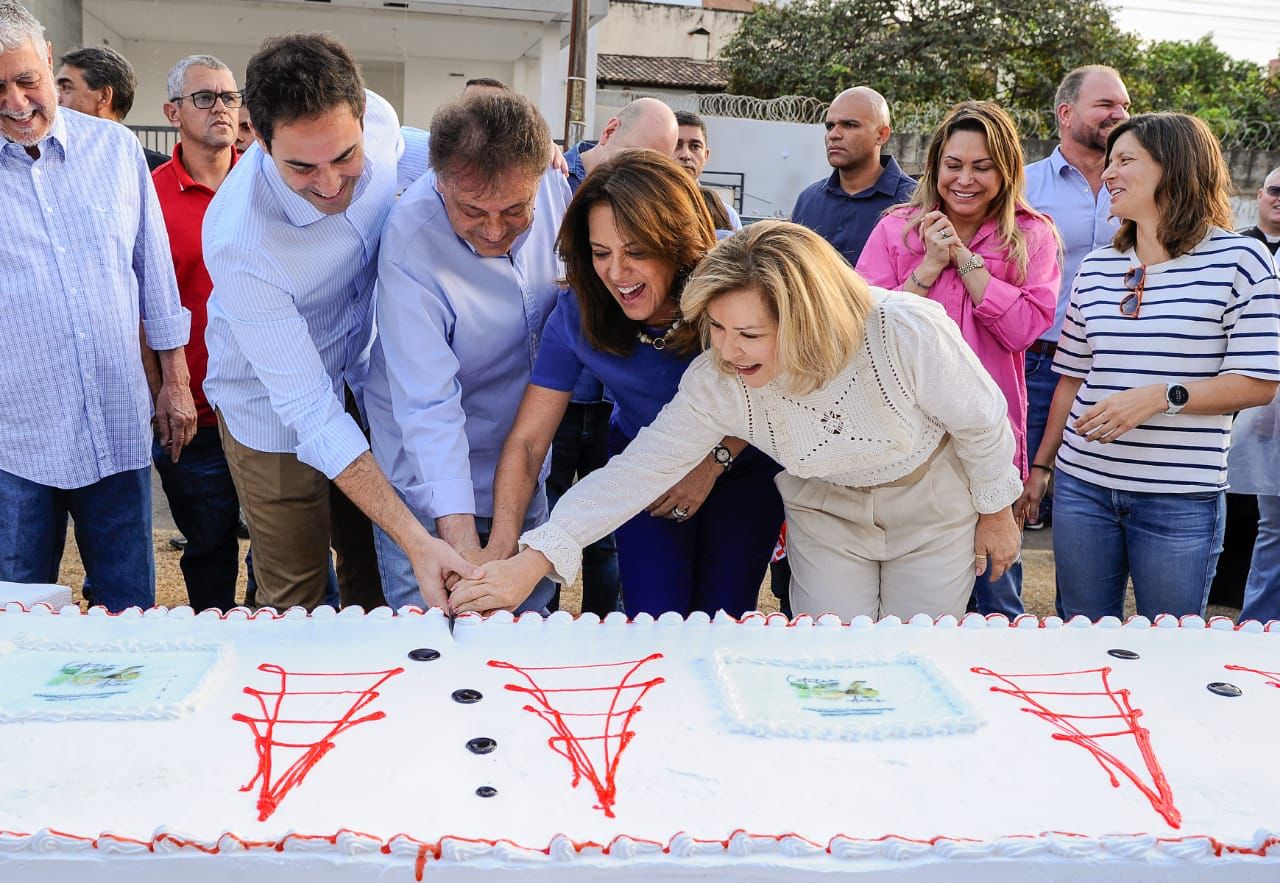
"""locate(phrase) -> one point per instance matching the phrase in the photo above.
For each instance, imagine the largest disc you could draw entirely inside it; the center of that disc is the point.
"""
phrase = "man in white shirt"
(290, 242)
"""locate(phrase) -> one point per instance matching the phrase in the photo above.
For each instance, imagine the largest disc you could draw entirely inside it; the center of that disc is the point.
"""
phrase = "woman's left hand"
(687, 495)
(504, 586)
(1118, 413)
(996, 541)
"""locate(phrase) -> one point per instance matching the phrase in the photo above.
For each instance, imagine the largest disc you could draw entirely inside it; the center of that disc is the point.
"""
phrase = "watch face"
(722, 455)
(1178, 395)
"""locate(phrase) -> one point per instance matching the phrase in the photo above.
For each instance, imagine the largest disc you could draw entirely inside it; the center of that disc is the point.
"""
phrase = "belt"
(1043, 348)
(915, 474)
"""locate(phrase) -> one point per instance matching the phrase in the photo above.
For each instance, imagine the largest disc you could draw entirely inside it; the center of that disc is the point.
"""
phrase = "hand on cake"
(686, 496)
(504, 586)
(996, 542)
(434, 563)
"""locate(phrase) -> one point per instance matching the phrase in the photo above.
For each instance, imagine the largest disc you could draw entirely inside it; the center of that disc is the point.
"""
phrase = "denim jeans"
(202, 499)
(112, 520)
(581, 446)
(1003, 595)
(1262, 591)
(1041, 383)
(1168, 543)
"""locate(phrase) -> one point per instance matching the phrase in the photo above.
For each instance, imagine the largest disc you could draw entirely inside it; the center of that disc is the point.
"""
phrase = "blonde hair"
(820, 304)
(992, 122)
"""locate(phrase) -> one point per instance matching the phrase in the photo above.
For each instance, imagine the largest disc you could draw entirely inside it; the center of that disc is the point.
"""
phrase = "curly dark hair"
(300, 76)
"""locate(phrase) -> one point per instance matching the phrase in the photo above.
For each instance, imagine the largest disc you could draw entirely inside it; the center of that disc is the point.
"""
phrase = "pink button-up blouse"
(1012, 314)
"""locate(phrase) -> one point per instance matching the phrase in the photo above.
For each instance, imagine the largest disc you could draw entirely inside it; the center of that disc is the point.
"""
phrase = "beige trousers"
(294, 513)
(886, 551)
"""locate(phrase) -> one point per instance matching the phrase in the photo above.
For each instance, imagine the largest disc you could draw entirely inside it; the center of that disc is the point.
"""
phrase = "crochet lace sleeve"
(705, 409)
(953, 388)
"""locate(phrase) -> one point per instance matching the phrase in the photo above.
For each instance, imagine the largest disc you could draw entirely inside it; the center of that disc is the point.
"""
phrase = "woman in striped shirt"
(1169, 331)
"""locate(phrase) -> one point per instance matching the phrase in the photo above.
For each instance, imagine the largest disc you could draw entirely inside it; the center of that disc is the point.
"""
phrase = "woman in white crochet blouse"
(895, 440)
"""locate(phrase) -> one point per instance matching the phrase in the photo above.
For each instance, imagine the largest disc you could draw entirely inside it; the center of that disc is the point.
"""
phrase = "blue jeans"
(1262, 591)
(581, 446)
(716, 560)
(113, 533)
(202, 499)
(1041, 383)
(1003, 595)
(1168, 543)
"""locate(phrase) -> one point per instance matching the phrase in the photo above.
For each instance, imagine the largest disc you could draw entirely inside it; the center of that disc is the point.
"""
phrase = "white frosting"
(1004, 802)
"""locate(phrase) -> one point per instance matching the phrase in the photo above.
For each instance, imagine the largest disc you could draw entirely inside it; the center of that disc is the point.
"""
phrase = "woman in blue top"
(633, 233)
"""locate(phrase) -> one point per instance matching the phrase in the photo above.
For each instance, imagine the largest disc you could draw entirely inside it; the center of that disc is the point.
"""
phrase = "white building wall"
(662, 29)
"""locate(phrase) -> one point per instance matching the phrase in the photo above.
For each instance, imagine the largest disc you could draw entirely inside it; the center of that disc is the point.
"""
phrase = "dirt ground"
(1037, 592)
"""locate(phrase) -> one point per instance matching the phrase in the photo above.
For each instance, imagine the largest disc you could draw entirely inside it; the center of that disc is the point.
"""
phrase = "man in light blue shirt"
(1067, 186)
(467, 277)
(86, 261)
(291, 243)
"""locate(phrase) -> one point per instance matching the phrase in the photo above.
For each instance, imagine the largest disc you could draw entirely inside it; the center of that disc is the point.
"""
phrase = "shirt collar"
(185, 180)
(56, 136)
(887, 183)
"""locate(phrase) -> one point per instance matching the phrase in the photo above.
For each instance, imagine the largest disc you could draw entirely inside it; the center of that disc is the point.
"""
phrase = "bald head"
(646, 123)
(857, 128)
(866, 100)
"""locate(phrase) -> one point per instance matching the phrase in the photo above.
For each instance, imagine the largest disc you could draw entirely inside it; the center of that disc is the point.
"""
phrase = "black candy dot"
(424, 654)
(467, 696)
(1222, 688)
(486, 791)
(481, 745)
(1123, 654)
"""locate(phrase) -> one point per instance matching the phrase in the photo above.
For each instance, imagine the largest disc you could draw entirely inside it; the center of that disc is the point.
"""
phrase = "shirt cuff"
(436, 499)
(335, 447)
(554, 542)
(993, 495)
(168, 332)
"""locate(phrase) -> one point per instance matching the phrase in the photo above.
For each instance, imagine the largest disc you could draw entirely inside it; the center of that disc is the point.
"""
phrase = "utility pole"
(575, 110)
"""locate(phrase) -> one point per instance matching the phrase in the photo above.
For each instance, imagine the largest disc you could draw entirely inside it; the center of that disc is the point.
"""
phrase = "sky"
(1248, 29)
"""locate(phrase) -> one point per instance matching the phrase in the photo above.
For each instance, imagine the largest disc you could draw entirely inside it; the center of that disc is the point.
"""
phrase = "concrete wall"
(61, 20)
(662, 30)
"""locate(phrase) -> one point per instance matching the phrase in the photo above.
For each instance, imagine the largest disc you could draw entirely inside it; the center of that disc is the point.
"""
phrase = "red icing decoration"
(1273, 677)
(569, 744)
(1117, 708)
(273, 790)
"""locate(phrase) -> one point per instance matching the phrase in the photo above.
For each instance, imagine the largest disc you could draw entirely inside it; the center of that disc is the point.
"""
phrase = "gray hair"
(178, 75)
(19, 27)
(1069, 89)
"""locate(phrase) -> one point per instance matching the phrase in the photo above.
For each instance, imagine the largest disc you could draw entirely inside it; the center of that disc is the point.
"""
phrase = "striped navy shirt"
(290, 316)
(85, 257)
(1214, 310)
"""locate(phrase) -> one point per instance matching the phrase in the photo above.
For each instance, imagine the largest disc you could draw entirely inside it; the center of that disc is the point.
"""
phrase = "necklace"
(659, 343)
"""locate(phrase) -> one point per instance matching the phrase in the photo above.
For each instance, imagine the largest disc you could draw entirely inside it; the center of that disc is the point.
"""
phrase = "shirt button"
(81, 335)
(71, 291)
(49, 209)
(61, 250)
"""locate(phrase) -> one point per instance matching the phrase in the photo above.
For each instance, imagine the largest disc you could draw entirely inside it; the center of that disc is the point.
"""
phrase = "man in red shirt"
(204, 106)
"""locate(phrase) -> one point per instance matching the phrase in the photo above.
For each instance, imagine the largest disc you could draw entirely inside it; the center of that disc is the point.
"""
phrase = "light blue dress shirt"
(290, 316)
(85, 257)
(457, 337)
(1062, 192)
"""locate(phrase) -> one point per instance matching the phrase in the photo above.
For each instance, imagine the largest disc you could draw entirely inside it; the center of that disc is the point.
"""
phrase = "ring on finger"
(679, 513)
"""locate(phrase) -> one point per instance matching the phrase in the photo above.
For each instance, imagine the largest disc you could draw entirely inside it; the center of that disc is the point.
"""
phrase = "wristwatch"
(1176, 396)
(723, 456)
(975, 262)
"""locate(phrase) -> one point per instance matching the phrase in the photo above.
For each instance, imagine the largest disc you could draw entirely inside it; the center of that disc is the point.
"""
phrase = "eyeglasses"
(206, 100)
(1273, 191)
(1135, 280)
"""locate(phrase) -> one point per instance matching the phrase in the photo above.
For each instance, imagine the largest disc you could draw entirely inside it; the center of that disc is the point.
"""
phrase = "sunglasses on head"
(1135, 280)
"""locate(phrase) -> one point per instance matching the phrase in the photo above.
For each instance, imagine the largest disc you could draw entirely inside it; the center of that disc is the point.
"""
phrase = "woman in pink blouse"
(968, 240)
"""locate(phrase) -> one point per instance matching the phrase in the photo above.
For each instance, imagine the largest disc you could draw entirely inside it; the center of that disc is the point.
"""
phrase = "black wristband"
(1048, 469)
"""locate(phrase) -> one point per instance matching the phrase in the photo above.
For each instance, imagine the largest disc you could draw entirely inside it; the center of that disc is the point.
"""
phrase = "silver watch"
(975, 262)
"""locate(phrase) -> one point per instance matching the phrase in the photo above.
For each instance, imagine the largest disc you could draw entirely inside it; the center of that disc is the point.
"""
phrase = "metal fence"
(158, 138)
